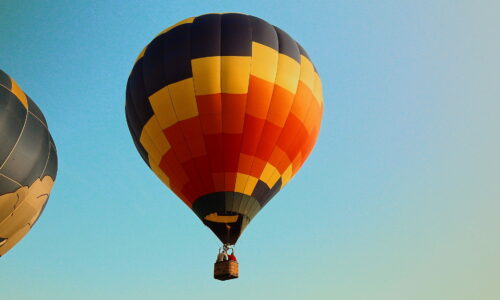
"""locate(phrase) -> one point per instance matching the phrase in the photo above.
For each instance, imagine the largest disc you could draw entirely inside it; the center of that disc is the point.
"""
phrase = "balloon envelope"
(28, 163)
(225, 109)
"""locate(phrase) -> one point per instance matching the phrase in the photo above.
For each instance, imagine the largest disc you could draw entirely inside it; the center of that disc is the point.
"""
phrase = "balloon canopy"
(28, 163)
(225, 109)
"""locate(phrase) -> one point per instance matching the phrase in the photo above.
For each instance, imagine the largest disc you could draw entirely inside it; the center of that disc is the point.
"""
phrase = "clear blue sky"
(399, 199)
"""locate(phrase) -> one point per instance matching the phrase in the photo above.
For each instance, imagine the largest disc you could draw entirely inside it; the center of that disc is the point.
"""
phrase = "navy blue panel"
(236, 33)
(137, 98)
(206, 36)
(270, 194)
(264, 33)
(135, 126)
(167, 59)
(287, 45)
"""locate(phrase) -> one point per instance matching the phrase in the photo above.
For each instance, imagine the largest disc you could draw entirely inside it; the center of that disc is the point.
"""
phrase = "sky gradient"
(400, 199)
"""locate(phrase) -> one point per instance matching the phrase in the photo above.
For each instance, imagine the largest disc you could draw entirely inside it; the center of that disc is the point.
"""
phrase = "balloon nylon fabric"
(28, 163)
(225, 109)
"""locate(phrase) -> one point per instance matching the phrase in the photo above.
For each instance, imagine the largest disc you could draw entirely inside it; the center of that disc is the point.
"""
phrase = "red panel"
(190, 191)
(219, 180)
(172, 168)
(211, 123)
(196, 184)
(209, 104)
(290, 138)
(230, 181)
(232, 146)
(251, 134)
(193, 134)
(205, 172)
(233, 112)
(178, 142)
(213, 145)
(268, 140)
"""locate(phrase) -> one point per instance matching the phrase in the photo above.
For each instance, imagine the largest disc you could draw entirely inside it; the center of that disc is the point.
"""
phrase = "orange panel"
(279, 159)
(303, 99)
(280, 106)
(296, 163)
(259, 97)
(258, 166)
(245, 163)
(313, 116)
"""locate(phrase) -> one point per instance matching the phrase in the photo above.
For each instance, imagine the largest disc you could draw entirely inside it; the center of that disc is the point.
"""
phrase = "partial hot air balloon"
(224, 109)
(28, 163)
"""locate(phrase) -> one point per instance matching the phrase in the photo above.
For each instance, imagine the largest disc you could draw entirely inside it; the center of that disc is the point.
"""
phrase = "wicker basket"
(225, 270)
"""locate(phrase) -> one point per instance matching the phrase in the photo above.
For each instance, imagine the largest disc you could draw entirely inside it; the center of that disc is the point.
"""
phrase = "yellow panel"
(264, 62)
(206, 75)
(16, 90)
(214, 217)
(287, 175)
(235, 73)
(159, 172)
(188, 20)
(307, 73)
(14, 239)
(288, 73)
(270, 175)
(183, 99)
(318, 90)
(155, 133)
(150, 147)
(162, 107)
(250, 186)
(245, 184)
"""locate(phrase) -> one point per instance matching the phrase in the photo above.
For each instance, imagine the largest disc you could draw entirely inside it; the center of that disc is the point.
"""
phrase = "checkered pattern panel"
(227, 105)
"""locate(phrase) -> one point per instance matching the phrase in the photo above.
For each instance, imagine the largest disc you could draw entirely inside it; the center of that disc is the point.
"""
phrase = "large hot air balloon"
(28, 163)
(225, 109)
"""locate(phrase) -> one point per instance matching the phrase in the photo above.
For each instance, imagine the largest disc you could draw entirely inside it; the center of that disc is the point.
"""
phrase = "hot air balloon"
(224, 109)
(28, 163)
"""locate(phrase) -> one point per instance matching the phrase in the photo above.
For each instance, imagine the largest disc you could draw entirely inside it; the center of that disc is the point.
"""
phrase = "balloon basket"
(226, 270)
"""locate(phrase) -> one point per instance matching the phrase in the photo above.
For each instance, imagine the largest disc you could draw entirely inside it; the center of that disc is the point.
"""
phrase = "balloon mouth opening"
(227, 226)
